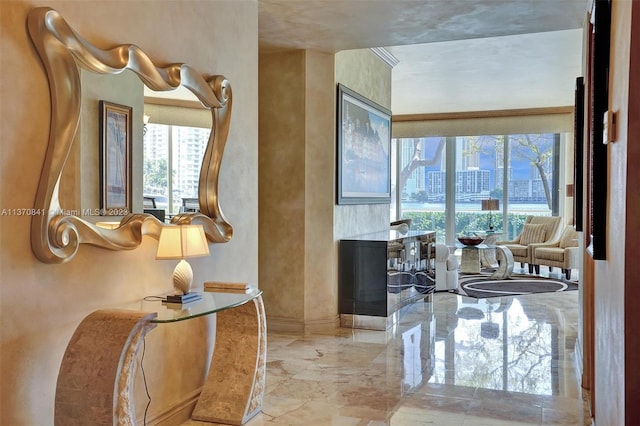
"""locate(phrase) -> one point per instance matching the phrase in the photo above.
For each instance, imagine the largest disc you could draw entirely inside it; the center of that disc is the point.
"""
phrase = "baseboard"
(577, 350)
(175, 414)
(587, 398)
(294, 326)
(579, 359)
(320, 326)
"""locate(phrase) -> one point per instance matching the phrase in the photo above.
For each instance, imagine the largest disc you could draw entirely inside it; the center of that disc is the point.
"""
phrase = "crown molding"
(385, 55)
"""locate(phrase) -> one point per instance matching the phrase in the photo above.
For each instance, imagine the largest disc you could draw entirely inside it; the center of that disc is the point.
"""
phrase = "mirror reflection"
(82, 74)
(169, 140)
(80, 186)
(175, 139)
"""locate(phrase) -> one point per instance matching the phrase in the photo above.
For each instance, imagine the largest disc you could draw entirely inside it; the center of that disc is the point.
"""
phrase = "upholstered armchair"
(537, 231)
(562, 253)
(401, 226)
(446, 265)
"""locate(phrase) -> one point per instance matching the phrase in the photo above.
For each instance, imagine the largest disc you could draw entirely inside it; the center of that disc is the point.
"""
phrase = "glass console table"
(99, 363)
(210, 303)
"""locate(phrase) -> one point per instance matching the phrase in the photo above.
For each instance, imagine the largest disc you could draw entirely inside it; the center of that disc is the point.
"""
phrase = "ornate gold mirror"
(56, 235)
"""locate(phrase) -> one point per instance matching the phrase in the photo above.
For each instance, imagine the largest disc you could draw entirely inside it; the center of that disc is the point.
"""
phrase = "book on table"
(182, 298)
(230, 287)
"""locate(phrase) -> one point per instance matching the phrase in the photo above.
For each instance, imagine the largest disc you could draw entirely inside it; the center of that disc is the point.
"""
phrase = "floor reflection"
(452, 361)
(502, 343)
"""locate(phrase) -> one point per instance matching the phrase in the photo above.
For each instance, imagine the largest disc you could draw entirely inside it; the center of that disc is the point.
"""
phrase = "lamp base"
(183, 277)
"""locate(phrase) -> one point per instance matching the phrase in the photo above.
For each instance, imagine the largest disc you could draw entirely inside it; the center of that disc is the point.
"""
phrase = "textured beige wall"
(298, 217)
(612, 341)
(299, 222)
(321, 289)
(297, 257)
(282, 184)
(362, 71)
(631, 122)
(40, 304)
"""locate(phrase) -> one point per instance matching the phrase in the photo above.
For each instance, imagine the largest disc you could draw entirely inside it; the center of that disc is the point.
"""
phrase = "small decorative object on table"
(470, 240)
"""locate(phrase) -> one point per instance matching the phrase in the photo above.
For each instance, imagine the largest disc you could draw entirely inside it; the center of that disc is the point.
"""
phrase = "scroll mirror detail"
(56, 236)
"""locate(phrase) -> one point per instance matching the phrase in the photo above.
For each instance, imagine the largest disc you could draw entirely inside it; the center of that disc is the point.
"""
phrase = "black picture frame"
(598, 150)
(578, 150)
(115, 159)
(363, 151)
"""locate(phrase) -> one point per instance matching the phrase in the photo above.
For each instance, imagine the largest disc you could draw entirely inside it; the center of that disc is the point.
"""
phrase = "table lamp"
(181, 242)
(492, 204)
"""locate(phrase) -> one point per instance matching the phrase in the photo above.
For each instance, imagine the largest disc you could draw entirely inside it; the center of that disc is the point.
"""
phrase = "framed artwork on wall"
(578, 134)
(115, 159)
(598, 153)
(364, 150)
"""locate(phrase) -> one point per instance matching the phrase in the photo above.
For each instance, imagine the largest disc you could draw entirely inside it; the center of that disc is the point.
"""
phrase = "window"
(441, 181)
(172, 161)
(421, 182)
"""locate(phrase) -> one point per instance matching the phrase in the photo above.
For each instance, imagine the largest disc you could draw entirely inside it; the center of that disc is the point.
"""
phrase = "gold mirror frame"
(56, 236)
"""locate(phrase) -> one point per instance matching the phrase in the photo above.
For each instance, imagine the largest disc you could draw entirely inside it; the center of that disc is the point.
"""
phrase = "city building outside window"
(424, 187)
(172, 158)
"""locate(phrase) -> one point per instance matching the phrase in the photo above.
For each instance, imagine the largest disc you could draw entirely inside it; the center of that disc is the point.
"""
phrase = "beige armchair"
(401, 226)
(537, 231)
(563, 253)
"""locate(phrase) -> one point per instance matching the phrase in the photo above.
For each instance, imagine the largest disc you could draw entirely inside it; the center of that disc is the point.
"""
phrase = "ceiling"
(454, 55)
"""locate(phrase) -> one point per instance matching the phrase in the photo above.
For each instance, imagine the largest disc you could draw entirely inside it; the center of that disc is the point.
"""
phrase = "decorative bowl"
(470, 241)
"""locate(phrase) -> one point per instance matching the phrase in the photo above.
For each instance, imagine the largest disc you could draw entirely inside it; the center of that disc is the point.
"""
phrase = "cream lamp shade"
(181, 242)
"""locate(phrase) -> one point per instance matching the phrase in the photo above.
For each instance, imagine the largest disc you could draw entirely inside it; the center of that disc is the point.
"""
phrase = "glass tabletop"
(484, 232)
(481, 246)
(209, 303)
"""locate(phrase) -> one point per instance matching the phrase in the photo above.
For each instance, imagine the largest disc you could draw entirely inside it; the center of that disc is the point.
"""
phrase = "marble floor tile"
(454, 360)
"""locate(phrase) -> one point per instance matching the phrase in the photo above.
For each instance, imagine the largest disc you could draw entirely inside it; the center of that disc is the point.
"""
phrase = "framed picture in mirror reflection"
(115, 158)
